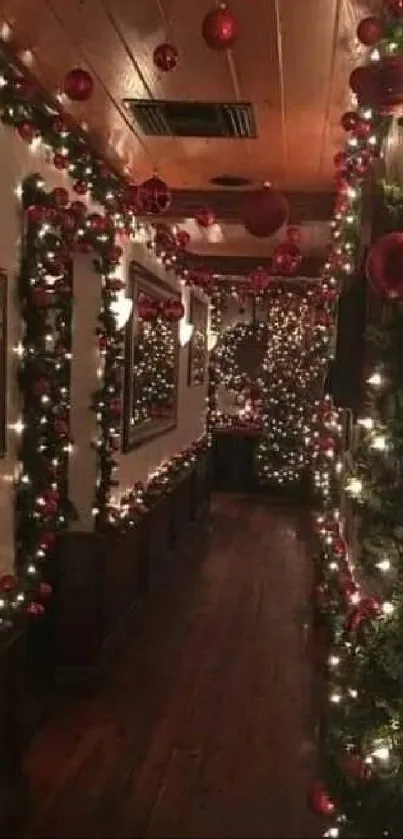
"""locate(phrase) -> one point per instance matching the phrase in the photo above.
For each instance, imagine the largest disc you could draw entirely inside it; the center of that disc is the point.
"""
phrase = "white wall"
(17, 161)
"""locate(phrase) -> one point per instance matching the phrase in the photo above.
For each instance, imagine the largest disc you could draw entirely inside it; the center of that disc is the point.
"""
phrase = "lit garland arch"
(224, 357)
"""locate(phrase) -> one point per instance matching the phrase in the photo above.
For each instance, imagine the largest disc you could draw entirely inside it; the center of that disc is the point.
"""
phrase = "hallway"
(205, 727)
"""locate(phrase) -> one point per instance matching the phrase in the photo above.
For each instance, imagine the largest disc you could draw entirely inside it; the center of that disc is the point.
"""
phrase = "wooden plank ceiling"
(291, 62)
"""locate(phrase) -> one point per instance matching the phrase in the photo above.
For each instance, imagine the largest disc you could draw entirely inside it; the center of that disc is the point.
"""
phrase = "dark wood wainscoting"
(102, 579)
(13, 785)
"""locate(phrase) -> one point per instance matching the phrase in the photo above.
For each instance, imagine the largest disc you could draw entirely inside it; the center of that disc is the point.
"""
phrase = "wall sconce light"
(121, 309)
(185, 331)
(212, 339)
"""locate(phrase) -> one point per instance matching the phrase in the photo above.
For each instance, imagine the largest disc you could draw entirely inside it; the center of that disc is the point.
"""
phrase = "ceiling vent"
(193, 119)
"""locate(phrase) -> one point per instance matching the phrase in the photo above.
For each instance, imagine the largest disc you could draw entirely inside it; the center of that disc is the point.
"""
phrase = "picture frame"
(197, 363)
(148, 414)
(3, 361)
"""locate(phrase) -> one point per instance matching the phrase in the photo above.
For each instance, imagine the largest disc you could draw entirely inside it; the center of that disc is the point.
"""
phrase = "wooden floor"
(205, 728)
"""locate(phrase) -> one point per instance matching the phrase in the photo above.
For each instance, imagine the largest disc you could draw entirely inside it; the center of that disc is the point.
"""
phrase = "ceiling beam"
(227, 204)
(241, 266)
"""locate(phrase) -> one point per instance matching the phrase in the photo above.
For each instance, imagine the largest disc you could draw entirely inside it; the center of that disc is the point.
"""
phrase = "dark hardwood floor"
(205, 727)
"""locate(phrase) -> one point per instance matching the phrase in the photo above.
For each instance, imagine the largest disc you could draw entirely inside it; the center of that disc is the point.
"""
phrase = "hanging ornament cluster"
(78, 85)
(380, 85)
(153, 197)
(220, 28)
(149, 309)
(286, 259)
(264, 212)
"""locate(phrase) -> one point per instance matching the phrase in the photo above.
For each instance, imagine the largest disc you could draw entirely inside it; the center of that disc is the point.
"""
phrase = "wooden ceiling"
(291, 61)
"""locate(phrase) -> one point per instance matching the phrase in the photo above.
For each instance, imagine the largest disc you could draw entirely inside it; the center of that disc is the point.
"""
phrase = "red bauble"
(35, 609)
(394, 7)
(287, 259)
(51, 498)
(79, 208)
(41, 298)
(97, 223)
(339, 548)
(78, 85)
(264, 212)
(60, 161)
(153, 196)
(220, 28)
(27, 131)
(36, 213)
(385, 265)
(173, 310)
(205, 217)
(45, 590)
(320, 802)
(115, 407)
(293, 235)
(114, 254)
(356, 767)
(47, 540)
(165, 57)
(364, 83)
(147, 308)
(326, 444)
(182, 239)
(340, 160)
(370, 31)
(80, 187)
(349, 120)
(259, 279)
(61, 427)
(60, 197)
(8, 583)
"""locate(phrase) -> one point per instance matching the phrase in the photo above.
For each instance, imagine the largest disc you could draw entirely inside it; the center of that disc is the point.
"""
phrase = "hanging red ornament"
(320, 801)
(173, 310)
(384, 266)
(264, 212)
(348, 588)
(35, 610)
(349, 120)
(287, 259)
(80, 187)
(114, 254)
(78, 85)
(394, 7)
(370, 31)
(259, 280)
(60, 161)
(78, 208)
(293, 235)
(60, 197)
(165, 57)
(49, 501)
(364, 83)
(97, 223)
(340, 160)
(220, 28)
(44, 590)
(27, 131)
(339, 547)
(153, 196)
(356, 767)
(47, 540)
(182, 239)
(36, 213)
(61, 427)
(205, 217)
(147, 308)
(42, 298)
(115, 406)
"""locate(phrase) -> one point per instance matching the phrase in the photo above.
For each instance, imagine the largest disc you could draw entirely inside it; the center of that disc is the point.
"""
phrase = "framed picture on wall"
(3, 363)
(150, 395)
(198, 342)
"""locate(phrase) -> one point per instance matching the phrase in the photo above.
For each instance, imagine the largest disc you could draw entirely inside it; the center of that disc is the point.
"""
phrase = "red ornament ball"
(8, 583)
(364, 83)
(205, 217)
(147, 308)
(97, 223)
(153, 196)
(340, 160)
(114, 254)
(165, 57)
(27, 131)
(394, 7)
(370, 31)
(287, 259)
(349, 120)
(259, 279)
(220, 28)
(78, 208)
(264, 212)
(384, 266)
(60, 161)
(173, 310)
(80, 187)
(389, 92)
(320, 802)
(60, 197)
(182, 239)
(78, 85)
(293, 234)
(36, 213)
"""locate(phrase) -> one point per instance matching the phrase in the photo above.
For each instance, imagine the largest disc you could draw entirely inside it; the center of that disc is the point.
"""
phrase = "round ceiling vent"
(230, 181)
